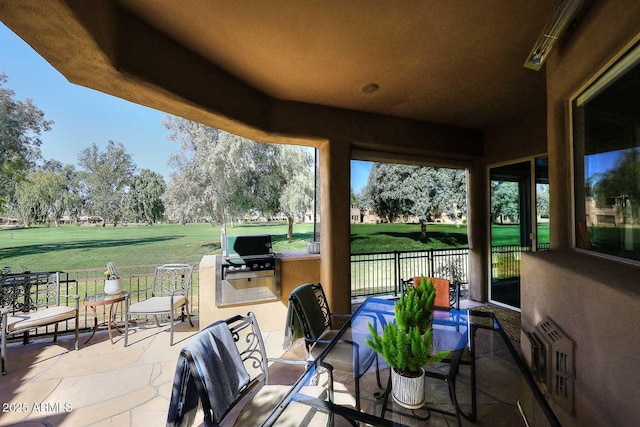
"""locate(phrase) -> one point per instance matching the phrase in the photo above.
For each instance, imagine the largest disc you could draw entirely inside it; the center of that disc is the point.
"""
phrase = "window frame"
(619, 66)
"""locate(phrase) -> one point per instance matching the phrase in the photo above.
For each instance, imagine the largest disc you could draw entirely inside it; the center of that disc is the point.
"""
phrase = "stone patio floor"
(106, 384)
(99, 385)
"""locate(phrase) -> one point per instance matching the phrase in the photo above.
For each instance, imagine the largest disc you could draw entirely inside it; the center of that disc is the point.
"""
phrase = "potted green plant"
(113, 282)
(406, 345)
(415, 308)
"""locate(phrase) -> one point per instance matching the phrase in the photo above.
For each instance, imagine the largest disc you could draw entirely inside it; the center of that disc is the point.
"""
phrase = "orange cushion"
(442, 290)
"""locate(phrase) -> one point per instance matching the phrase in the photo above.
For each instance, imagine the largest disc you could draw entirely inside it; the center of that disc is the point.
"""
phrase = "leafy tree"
(39, 197)
(619, 185)
(145, 196)
(106, 175)
(296, 183)
(424, 192)
(504, 200)
(47, 193)
(222, 176)
(70, 200)
(453, 198)
(27, 201)
(355, 198)
(542, 200)
(21, 123)
(179, 204)
(254, 175)
(385, 190)
(197, 188)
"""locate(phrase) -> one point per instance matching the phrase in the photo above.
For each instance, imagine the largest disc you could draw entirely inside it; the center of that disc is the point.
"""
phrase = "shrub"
(406, 344)
(415, 308)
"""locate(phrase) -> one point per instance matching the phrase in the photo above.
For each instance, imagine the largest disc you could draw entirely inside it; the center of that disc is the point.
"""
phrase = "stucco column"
(335, 227)
(477, 206)
(560, 199)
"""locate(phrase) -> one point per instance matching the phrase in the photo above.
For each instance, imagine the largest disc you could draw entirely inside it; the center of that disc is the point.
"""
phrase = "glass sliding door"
(519, 220)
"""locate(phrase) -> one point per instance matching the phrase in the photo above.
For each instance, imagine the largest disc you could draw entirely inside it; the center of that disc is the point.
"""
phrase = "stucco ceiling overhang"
(267, 67)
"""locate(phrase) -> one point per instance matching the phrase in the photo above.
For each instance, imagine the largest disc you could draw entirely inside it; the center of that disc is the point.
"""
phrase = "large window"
(607, 161)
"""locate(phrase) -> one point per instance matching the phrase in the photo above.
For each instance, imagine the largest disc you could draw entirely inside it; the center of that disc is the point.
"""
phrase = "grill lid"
(248, 248)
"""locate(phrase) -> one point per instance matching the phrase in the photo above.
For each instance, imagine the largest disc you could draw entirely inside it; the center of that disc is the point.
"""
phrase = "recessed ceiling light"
(369, 88)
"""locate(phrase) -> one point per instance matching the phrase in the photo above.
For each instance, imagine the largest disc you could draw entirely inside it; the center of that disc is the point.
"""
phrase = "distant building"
(8, 221)
(367, 216)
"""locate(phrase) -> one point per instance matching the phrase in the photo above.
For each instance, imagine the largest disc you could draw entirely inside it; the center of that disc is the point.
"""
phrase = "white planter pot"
(408, 392)
(113, 286)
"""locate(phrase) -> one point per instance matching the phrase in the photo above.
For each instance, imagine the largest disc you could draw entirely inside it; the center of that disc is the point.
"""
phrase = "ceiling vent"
(563, 16)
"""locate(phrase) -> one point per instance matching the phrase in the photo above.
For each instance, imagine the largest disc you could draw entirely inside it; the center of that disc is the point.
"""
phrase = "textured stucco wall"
(607, 29)
(597, 306)
(594, 300)
(524, 137)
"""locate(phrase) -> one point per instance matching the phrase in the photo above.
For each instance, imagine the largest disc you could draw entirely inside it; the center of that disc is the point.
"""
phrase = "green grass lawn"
(509, 234)
(399, 237)
(71, 247)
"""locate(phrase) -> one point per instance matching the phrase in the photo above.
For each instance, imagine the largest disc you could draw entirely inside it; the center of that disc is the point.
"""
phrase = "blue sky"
(595, 164)
(84, 116)
(359, 173)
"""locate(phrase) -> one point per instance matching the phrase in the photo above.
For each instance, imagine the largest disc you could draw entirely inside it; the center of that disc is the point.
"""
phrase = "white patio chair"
(171, 283)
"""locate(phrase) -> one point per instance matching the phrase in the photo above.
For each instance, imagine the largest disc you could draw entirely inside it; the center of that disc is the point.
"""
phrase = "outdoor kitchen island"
(295, 268)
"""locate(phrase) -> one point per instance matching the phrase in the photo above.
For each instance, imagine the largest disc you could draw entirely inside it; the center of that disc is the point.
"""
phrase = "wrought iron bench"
(30, 301)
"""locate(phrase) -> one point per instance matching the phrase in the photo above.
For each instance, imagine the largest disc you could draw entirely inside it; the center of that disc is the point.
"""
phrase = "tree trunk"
(423, 230)
(290, 230)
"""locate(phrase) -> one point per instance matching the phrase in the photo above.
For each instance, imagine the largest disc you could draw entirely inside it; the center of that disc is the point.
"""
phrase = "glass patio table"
(453, 330)
(450, 333)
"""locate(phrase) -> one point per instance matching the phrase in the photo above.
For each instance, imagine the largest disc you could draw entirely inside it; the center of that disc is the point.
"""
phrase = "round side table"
(100, 300)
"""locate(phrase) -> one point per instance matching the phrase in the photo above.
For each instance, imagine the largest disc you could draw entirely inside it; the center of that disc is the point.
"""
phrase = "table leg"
(95, 323)
(384, 395)
(112, 314)
(115, 314)
(473, 415)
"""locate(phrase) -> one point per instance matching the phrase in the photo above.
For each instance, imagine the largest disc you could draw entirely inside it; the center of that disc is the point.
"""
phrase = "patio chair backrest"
(171, 279)
(446, 297)
(47, 294)
(323, 303)
(220, 391)
(29, 291)
(311, 306)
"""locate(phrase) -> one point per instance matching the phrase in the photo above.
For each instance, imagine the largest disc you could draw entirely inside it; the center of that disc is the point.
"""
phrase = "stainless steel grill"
(248, 271)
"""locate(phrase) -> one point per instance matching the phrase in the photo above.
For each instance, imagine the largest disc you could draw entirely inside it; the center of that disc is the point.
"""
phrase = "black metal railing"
(380, 273)
(506, 259)
(371, 274)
